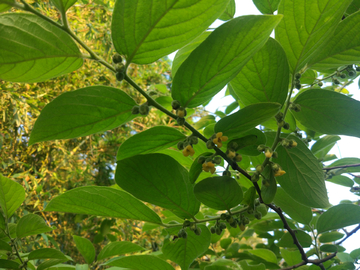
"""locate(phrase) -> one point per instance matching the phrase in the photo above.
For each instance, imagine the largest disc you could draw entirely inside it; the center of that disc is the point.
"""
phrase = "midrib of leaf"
(270, 6)
(148, 32)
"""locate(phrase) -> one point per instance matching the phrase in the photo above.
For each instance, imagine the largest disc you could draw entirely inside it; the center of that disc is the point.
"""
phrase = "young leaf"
(47, 253)
(295, 210)
(34, 50)
(118, 248)
(31, 224)
(219, 192)
(338, 216)
(102, 201)
(148, 141)
(83, 112)
(85, 247)
(246, 119)
(343, 48)
(184, 251)
(143, 262)
(160, 180)
(12, 195)
(265, 77)
(220, 57)
(145, 31)
(63, 5)
(302, 37)
(328, 112)
(304, 178)
(267, 7)
(229, 12)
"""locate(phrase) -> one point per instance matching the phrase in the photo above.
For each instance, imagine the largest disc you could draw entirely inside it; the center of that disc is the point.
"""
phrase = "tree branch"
(341, 167)
(316, 262)
(348, 234)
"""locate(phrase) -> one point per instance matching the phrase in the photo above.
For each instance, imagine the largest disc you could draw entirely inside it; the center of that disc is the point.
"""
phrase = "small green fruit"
(286, 126)
(297, 76)
(298, 86)
(186, 223)
(180, 145)
(222, 226)
(320, 84)
(135, 110)
(217, 160)
(210, 144)
(226, 173)
(218, 231)
(116, 58)
(120, 67)
(201, 159)
(213, 230)
(261, 147)
(144, 109)
(223, 216)
(180, 121)
(120, 76)
(258, 215)
(175, 104)
(197, 231)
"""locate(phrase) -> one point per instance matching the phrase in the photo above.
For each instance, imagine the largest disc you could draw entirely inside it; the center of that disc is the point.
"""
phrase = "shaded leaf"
(291, 257)
(141, 262)
(148, 141)
(160, 180)
(9, 264)
(4, 7)
(266, 7)
(330, 237)
(246, 118)
(287, 241)
(265, 77)
(102, 201)
(301, 37)
(184, 251)
(12, 195)
(85, 247)
(34, 50)
(304, 178)
(268, 191)
(344, 162)
(82, 112)
(46, 253)
(341, 180)
(219, 192)
(145, 31)
(5, 246)
(338, 216)
(220, 57)
(49, 263)
(328, 112)
(31, 224)
(118, 248)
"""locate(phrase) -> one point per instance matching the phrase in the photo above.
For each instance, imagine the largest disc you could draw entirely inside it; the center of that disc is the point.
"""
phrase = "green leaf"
(268, 192)
(328, 112)
(82, 267)
(47, 253)
(291, 257)
(265, 77)
(12, 195)
(5, 246)
(264, 254)
(343, 48)
(196, 168)
(63, 5)
(344, 257)
(323, 143)
(9, 264)
(245, 266)
(338, 216)
(220, 57)
(344, 162)
(49, 263)
(118, 248)
(145, 31)
(302, 38)
(287, 241)
(85, 247)
(4, 7)
(34, 50)
(219, 192)
(341, 180)
(12, 231)
(83, 112)
(266, 7)
(355, 254)
(295, 210)
(330, 237)
(2, 219)
(31, 224)
(160, 180)
(304, 178)
(229, 12)
(148, 141)
(102, 201)
(140, 262)
(246, 119)
(185, 51)
(354, 7)
(62, 267)
(329, 248)
(184, 251)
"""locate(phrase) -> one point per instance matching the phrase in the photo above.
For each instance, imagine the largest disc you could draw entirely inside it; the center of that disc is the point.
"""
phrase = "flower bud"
(298, 86)
(210, 145)
(197, 231)
(286, 126)
(258, 215)
(217, 160)
(180, 121)
(226, 173)
(320, 84)
(268, 152)
(144, 109)
(193, 139)
(297, 76)
(181, 112)
(186, 223)
(238, 157)
(180, 145)
(201, 159)
(218, 231)
(259, 168)
(230, 153)
(261, 147)
(255, 177)
(212, 229)
(222, 226)
(120, 67)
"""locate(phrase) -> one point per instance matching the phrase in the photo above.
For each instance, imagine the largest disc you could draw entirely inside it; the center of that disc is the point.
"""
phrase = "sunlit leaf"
(31, 224)
(266, 7)
(12, 195)
(229, 12)
(85, 247)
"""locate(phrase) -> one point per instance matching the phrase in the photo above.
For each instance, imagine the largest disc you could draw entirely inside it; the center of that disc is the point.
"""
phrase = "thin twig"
(348, 234)
(341, 167)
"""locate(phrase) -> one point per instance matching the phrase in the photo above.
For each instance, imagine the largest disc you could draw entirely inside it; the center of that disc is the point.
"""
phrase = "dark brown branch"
(341, 167)
(348, 234)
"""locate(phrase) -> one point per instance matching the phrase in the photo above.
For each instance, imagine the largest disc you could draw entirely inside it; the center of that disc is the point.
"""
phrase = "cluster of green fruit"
(192, 226)
(180, 112)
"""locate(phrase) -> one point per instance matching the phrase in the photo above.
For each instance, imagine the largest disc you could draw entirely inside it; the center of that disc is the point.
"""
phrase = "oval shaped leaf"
(5, 246)
(304, 239)
(264, 254)
(220, 57)
(102, 201)
(295, 210)
(160, 180)
(83, 112)
(140, 262)
(63, 5)
(304, 178)
(31, 224)
(151, 140)
(12, 195)
(324, 143)
(219, 192)
(303, 38)
(341, 180)
(47, 253)
(147, 30)
(266, 7)
(85, 247)
(338, 216)
(196, 168)
(265, 77)
(268, 190)
(229, 12)
(34, 50)
(329, 112)
(330, 237)
(184, 251)
(118, 248)
(246, 119)
(6, 264)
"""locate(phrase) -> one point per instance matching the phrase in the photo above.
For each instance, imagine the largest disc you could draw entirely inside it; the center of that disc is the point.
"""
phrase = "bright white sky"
(346, 147)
